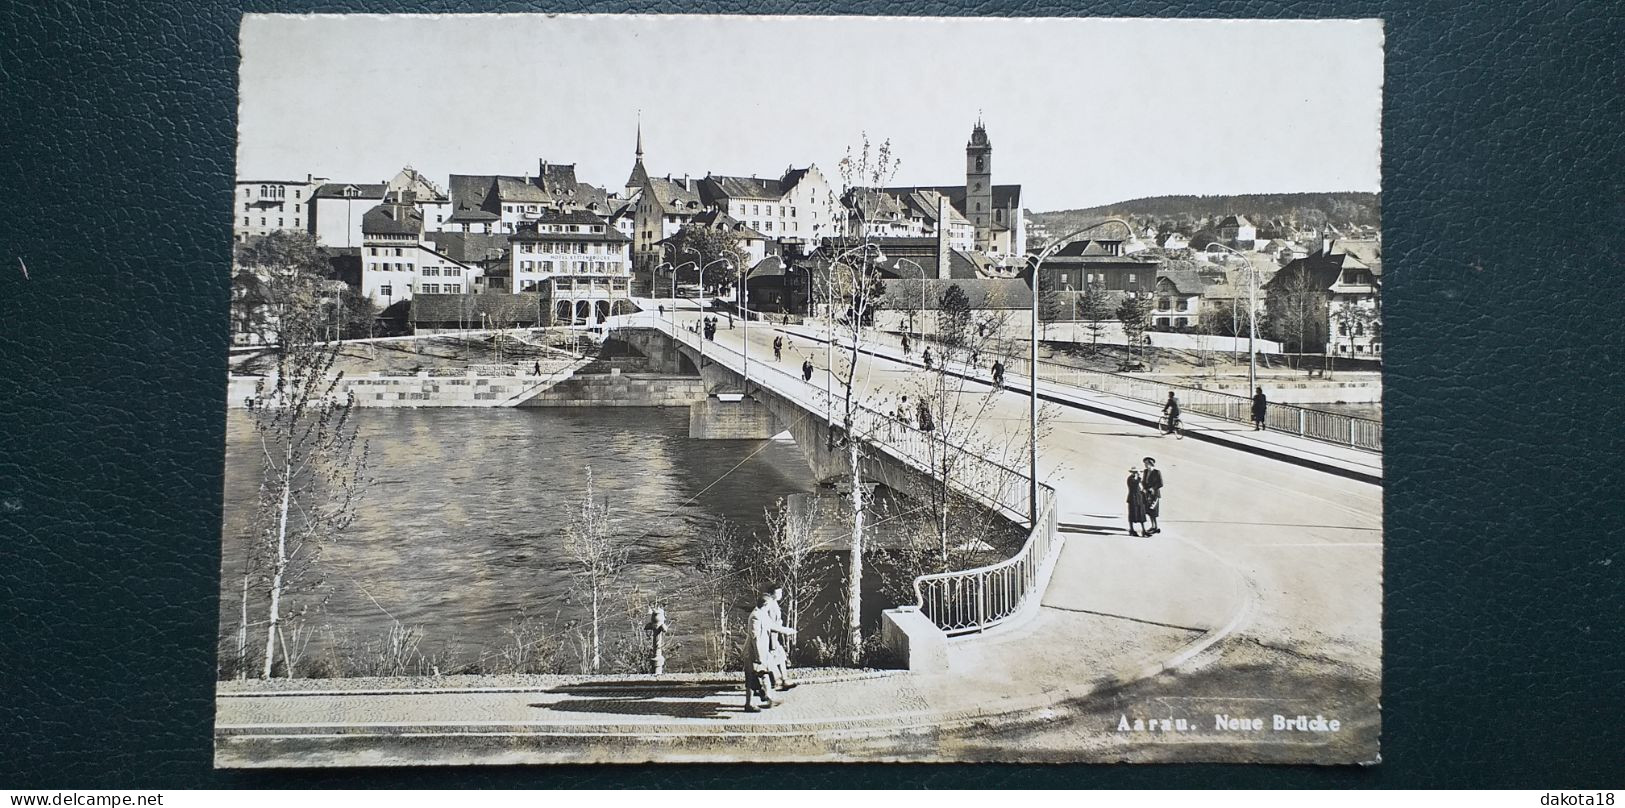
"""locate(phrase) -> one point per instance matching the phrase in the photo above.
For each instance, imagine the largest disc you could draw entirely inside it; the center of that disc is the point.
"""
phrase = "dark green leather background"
(1504, 211)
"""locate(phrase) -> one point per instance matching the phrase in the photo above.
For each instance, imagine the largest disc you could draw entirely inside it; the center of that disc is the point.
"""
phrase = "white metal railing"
(1330, 427)
(962, 601)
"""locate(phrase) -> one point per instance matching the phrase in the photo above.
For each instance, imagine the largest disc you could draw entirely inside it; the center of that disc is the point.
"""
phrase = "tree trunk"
(242, 631)
(597, 655)
(854, 595)
(281, 565)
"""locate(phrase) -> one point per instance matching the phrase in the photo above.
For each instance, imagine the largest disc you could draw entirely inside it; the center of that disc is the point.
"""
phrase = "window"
(1162, 304)
(296, 194)
(756, 209)
(525, 266)
(397, 252)
(530, 208)
(431, 271)
(1180, 322)
(245, 221)
(1131, 277)
(262, 221)
(386, 290)
(431, 288)
(278, 222)
(296, 221)
(1162, 322)
(1184, 304)
(547, 266)
(246, 206)
(454, 288)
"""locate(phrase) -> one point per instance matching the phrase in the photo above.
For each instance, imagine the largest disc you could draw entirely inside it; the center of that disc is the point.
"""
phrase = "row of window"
(1165, 303)
(450, 272)
(388, 290)
(579, 247)
(756, 210)
(566, 266)
(280, 206)
(272, 192)
(279, 222)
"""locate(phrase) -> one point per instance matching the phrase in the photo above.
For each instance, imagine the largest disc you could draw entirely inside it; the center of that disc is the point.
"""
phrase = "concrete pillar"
(744, 419)
(913, 638)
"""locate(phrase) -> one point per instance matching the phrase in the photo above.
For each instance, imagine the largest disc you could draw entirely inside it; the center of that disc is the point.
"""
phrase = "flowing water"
(462, 531)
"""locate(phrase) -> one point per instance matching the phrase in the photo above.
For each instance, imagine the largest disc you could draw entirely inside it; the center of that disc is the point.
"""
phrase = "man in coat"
(1260, 407)
(759, 653)
(781, 654)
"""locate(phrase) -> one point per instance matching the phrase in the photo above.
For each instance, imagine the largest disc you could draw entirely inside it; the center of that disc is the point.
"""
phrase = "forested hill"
(1188, 214)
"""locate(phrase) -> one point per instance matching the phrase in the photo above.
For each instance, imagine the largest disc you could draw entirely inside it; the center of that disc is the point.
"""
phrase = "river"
(461, 531)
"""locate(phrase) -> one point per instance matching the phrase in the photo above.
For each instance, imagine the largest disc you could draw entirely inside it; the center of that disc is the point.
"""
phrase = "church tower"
(640, 176)
(979, 185)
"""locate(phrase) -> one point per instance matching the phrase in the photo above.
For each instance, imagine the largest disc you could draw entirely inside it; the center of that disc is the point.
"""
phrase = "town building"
(581, 266)
(1342, 283)
(795, 209)
(501, 203)
(396, 262)
(269, 206)
(1237, 232)
(337, 209)
(1104, 263)
(993, 211)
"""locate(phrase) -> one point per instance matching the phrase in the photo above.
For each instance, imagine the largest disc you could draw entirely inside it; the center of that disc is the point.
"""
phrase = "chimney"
(944, 229)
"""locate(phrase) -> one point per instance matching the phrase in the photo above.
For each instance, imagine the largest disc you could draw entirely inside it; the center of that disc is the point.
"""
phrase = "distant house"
(337, 209)
(268, 206)
(1177, 299)
(577, 262)
(1176, 241)
(1344, 282)
(396, 263)
(1237, 232)
(1100, 262)
(500, 203)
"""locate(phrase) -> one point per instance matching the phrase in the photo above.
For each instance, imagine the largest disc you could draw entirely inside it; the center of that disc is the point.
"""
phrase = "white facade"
(269, 206)
(337, 210)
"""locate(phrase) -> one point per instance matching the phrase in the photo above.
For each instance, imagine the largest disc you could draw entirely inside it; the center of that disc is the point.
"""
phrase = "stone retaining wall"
(615, 389)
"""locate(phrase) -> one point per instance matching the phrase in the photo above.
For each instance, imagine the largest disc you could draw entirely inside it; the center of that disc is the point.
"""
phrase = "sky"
(1080, 112)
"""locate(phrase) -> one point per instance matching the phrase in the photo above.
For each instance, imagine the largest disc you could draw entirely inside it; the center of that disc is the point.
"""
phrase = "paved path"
(1255, 553)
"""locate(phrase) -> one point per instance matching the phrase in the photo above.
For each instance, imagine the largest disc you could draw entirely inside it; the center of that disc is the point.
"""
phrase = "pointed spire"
(640, 134)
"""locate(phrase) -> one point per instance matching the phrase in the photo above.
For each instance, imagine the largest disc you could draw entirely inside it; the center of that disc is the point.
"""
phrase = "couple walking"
(1144, 499)
(767, 662)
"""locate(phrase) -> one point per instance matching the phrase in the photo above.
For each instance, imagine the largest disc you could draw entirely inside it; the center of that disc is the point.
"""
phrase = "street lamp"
(902, 261)
(1252, 313)
(1032, 359)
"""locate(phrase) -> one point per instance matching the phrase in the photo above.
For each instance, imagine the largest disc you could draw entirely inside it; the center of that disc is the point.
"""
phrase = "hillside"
(1273, 214)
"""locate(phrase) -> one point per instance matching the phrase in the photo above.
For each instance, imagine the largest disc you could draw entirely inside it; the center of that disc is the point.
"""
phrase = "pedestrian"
(924, 410)
(780, 664)
(1136, 504)
(806, 370)
(1151, 481)
(536, 370)
(905, 413)
(1170, 409)
(758, 654)
(998, 374)
(907, 346)
(926, 357)
(1260, 405)
(662, 310)
(778, 348)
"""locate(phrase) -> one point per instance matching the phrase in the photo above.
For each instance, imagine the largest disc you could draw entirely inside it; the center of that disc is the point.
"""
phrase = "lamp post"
(902, 261)
(1032, 362)
(1252, 313)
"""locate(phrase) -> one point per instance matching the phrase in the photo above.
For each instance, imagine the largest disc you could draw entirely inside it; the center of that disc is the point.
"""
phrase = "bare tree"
(1297, 309)
(719, 560)
(312, 465)
(590, 543)
(853, 292)
(793, 547)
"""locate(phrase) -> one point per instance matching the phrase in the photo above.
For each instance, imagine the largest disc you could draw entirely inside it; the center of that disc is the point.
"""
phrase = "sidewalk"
(1345, 461)
(1088, 637)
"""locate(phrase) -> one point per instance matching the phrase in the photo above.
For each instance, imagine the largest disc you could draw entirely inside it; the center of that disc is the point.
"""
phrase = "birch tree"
(592, 546)
(312, 464)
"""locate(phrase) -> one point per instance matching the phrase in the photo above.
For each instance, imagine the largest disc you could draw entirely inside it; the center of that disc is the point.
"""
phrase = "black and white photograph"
(638, 388)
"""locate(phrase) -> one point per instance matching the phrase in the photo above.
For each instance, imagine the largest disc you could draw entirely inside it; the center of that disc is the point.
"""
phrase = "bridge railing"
(1330, 427)
(960, 601)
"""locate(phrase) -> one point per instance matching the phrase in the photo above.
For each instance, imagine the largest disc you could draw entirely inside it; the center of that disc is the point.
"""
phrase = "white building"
(396, 263)
(269, 206)
(337, 209)
(579, 263)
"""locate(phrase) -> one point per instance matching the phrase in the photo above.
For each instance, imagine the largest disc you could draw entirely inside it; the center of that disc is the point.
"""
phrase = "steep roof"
(469, 248)
(364, 190)
(392, 220)
(1235, 221)
(674, 196)
(1004, 196)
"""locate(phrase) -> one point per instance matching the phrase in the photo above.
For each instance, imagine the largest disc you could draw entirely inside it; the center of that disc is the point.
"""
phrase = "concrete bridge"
(1261, 596)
